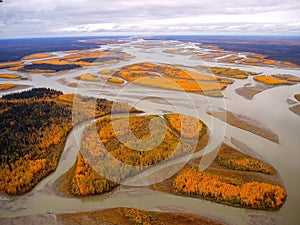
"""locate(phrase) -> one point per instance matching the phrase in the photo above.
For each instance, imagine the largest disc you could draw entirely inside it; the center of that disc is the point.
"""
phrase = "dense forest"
(48, 67)
(33, 129)
(33, 93)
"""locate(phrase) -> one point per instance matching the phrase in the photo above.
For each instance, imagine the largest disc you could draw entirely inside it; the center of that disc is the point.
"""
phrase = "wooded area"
(33, 129)
(107, 149)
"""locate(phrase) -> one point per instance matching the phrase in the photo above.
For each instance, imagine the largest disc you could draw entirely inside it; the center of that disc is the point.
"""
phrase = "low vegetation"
(252, 59)
(131, 216)
(52, 61)
(295, 109)
(231, 59)
(72, 84)
(106, 72)
(249, 92)
(37, 56)
(287, 77)
(4, 87)
(87, 58)
(171, 77)
(115, 80)
(236, 160)
(297, 96)
(211, 56)
(110, 79)
(230, 72)
(271, 80)
(9, 76)
(234, 178)
(7, 65)
(245, 123)
(87, 77)
(71, 61)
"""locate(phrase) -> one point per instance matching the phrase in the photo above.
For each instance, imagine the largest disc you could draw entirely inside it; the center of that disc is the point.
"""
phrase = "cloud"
(94, 17)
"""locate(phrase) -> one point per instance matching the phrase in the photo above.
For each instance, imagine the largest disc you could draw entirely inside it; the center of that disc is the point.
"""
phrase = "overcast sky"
(36, 18)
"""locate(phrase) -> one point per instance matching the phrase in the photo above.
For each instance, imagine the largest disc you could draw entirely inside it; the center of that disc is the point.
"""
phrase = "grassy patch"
(239, 161)
(87, 58)
(72, 84)
(229, 72)
(105, 72)
(297, 96)
(87, 77)
(112, 79)
(7, 86)
(37, 56)
(245, 123)
(54, 61)
(131, 216)
(296, 109)
(271, 80)
(9, 76)
(11, 65)
(287, 77)
(171, 77)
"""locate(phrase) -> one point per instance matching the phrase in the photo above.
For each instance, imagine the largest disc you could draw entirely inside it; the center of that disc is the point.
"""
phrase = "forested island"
(105, 161)
(234, 178)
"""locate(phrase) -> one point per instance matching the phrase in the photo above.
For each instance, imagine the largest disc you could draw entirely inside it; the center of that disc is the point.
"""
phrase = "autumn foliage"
(229, 72)
(88, 77)
(33, 129)
(258, 195)
(239, 161)
(7, 86)
(297, 96)
(9, 76)
(287, 77)
(132, 216)
(187, 126)
(271, 80)
(171, 77)
(86, 181)
(37, 56)
(234, 178)
(8, 65)
(107, 148)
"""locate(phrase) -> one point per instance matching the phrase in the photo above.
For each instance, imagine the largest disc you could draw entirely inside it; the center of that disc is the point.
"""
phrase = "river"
(269, 107)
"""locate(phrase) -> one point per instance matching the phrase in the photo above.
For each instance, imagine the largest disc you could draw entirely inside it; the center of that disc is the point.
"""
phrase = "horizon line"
(156, 35)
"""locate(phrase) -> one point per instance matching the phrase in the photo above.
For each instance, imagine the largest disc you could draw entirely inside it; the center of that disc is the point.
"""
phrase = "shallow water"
(269, 108)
